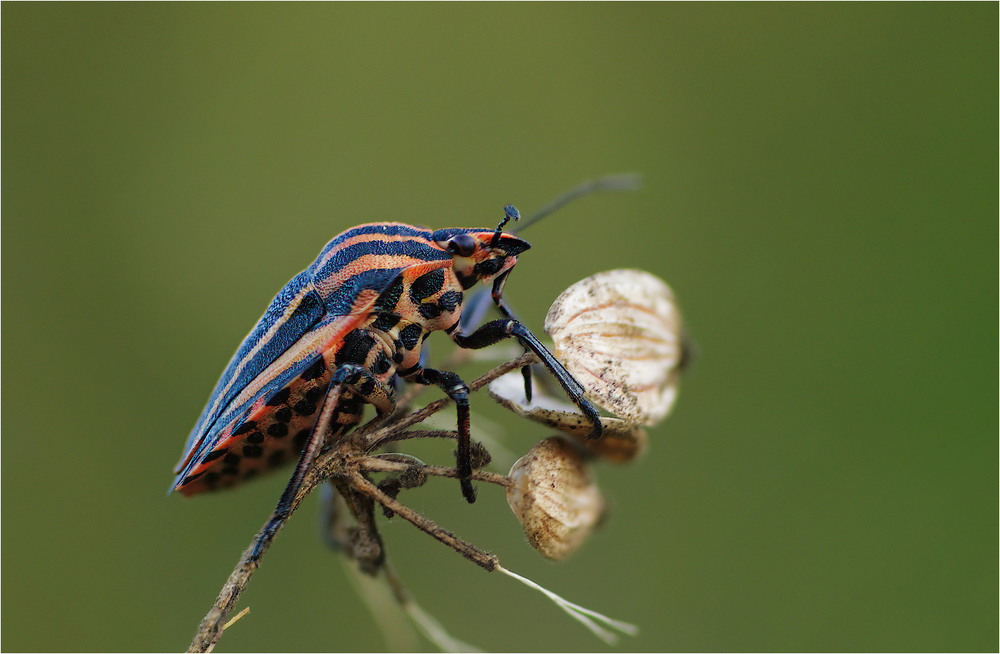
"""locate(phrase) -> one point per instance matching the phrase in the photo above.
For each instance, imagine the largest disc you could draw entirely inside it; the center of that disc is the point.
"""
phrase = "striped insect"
(334, 337)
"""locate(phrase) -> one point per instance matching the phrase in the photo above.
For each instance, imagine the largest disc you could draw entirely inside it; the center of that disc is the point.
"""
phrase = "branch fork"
(346, 466)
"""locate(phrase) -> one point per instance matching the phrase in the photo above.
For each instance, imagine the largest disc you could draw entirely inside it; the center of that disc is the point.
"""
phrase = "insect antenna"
(621, 182)
(509, 213)
(480, 302)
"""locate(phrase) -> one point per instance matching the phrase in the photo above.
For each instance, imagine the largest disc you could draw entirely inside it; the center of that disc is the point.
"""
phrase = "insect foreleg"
(458, 391)
(497, 330)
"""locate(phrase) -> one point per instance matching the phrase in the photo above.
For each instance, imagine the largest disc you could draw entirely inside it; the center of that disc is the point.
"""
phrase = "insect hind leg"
(358, 380)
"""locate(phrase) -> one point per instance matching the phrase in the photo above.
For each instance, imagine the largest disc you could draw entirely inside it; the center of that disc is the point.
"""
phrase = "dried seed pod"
(554, 498)
(619, 333)
(619, 443)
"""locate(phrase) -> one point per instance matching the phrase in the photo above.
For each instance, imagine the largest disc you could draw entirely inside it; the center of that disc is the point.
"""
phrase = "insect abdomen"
(275, 430)
(271, 434)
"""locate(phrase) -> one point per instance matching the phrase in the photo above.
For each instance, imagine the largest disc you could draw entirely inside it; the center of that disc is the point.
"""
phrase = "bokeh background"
(820, 190)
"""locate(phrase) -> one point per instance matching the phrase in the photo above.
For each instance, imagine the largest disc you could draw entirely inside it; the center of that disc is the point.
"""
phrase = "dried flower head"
(554, 498)
(619, 333)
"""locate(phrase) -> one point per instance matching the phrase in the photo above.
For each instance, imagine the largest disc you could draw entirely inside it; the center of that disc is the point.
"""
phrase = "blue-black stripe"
(307, 314)
(375, 228)
(414, 248)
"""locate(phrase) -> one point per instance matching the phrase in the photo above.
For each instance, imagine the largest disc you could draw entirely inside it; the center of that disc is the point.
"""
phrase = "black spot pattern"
(351, 405)
(381, 364)
(429, 310)
(410, 336)
(357, 345)
(366, 386)
(426, 285)
(300, 438)
(281, 397)
(213, 455)
(249, 425)
(282, 426)
(486, 268)
(385, 321)
(314, 371)
(305, 407)
(450, 300)
(390, 296)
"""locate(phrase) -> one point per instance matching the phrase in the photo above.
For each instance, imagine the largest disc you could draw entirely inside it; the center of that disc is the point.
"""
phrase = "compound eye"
(462, 244)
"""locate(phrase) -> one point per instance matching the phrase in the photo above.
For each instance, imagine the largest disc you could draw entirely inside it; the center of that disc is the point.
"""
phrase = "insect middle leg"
(498, 330)
(458, 391)
(358, 380)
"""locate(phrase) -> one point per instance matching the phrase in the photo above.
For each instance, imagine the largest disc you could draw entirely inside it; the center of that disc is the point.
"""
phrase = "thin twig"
(235, 618)
(622, 182)
(380, 437)
(427, 625)
(474, 554)
(412, 434)
(342, 462)
(377, 464)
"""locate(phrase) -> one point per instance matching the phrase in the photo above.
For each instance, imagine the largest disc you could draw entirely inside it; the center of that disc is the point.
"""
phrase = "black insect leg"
(505, 311)
(365, 384)
(458, 391)
(497, 330)
(359, 380)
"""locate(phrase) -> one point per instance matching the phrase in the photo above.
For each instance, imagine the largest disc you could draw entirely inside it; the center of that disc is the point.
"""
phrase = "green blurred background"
(820, 190)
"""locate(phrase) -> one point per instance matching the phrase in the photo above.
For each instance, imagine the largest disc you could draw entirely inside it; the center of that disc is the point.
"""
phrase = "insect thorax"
(406, 313)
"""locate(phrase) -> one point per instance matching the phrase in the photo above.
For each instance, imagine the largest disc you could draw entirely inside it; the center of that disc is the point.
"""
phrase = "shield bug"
(335, 337)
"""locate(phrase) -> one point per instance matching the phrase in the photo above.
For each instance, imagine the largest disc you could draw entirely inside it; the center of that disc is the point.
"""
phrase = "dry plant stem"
(374, 464)
(342, 462)
(424, 433)
(385, 434)
(431, 629)
(426, 525)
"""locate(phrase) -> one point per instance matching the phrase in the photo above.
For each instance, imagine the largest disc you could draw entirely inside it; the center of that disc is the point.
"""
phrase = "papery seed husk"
(619, 333)
(554, 498)
(619, 443)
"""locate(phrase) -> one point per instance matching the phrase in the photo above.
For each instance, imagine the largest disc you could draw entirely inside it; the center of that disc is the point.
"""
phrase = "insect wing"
(311, 314)
(307, 359)
(295, 311)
